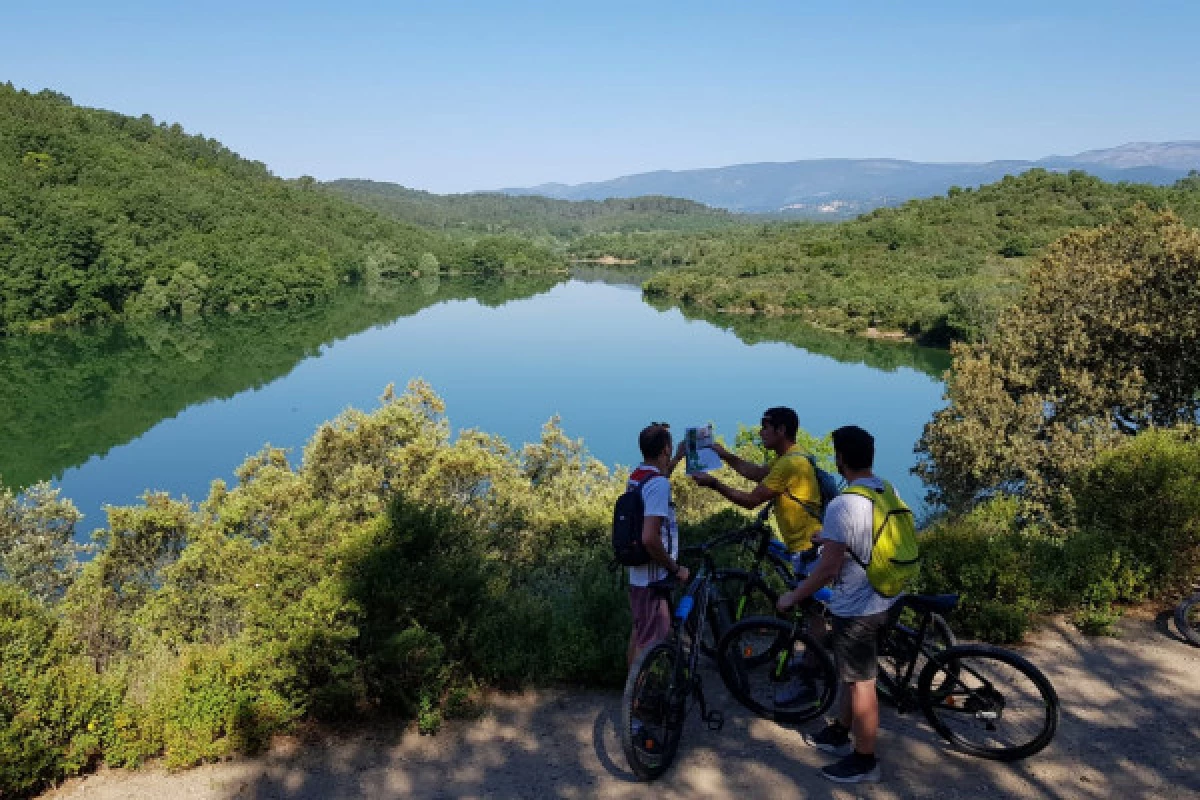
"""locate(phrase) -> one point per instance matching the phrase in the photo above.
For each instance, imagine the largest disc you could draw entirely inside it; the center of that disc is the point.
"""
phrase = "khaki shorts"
(651, 615)
(855, 645)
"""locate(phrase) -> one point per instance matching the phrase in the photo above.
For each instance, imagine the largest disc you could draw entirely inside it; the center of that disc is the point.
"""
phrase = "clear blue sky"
(455, 96)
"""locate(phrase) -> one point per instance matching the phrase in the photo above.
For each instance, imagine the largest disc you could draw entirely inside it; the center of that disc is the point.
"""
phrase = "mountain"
(845, 187)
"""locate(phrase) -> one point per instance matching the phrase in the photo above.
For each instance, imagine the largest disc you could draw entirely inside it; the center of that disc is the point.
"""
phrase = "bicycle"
(1187, 618)
(751, 592)
(664, 682)
(986, 701)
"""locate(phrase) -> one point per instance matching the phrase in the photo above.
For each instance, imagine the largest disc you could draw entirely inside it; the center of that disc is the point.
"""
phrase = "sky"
(461, 96)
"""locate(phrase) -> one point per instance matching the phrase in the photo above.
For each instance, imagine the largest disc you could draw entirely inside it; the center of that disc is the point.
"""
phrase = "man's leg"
(864, 707)
(853, 642)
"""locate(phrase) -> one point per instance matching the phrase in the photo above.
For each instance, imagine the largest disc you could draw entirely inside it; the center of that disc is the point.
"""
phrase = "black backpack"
(629, 514)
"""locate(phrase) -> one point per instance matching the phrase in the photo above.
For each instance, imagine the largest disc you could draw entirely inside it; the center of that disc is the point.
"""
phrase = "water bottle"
(684, 608)
(824, 594)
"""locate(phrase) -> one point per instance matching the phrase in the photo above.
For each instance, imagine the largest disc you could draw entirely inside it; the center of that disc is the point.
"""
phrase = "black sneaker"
(833, 738)
(854, 768)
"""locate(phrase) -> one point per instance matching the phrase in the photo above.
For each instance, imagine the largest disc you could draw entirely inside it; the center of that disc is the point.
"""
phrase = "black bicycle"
(753, 590)
(986, 701)
(664, 682)
(1187, 618)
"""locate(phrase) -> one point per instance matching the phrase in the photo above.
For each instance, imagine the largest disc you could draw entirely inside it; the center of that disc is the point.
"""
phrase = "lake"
(108, 413)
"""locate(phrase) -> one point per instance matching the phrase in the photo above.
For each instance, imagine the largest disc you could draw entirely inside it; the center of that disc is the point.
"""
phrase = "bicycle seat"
(930, 603)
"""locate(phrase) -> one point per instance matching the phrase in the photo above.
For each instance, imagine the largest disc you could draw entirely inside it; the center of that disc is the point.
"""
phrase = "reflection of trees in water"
(874, 353)
(69, 395)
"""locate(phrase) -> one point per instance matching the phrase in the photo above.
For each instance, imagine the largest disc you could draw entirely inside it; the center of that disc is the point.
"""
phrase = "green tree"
(1105, 343)
(37, 540)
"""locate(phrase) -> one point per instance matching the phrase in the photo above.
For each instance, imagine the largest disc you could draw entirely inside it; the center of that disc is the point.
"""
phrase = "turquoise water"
(174, 406)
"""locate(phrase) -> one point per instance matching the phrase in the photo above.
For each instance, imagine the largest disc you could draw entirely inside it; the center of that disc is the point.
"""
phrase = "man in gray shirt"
(858, 611)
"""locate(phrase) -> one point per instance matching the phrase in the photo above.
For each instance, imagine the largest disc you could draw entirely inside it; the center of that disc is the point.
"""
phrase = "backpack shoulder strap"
(869, 494)
(813, 509)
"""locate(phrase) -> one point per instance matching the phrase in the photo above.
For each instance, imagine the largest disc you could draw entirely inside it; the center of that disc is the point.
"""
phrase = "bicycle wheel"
(652, 710)
(897, 647)
(1187, 618)
(742, 594)
(988, 702)
(777, 670)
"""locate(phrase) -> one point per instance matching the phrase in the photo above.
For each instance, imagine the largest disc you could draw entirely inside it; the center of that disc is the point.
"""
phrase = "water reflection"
(875, 353)
(71, 395)
(110, 412)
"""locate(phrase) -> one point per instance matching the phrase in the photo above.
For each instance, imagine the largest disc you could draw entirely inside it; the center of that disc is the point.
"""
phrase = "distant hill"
(939, 268)
(105, 215)
(490, 212)
(845, 187)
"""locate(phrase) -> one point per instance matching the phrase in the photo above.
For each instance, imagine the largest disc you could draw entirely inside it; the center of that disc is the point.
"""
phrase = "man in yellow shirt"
(790, 481)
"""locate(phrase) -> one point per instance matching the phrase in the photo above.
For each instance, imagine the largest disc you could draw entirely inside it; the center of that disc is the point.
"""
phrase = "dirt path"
(1130, 728)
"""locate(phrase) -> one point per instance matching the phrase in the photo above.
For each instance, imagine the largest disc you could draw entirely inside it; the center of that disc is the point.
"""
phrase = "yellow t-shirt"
(792, 476)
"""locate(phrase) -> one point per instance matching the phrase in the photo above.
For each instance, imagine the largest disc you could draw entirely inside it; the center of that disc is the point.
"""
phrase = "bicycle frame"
(685, 682)
(904, 692)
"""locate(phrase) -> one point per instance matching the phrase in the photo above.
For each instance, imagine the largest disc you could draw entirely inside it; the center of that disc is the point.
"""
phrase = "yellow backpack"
(895, 557)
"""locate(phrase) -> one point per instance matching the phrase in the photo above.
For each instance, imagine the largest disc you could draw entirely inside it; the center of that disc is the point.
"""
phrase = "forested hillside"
(490, 212)
(103, 214)
(938, 269)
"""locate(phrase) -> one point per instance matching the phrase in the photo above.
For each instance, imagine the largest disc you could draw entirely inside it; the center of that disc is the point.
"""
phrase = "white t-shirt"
(656, 495)
(850, 518)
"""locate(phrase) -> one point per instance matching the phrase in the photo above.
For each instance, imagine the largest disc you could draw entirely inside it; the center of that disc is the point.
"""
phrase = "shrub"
(54, 709)
(1139, 503)
(983, 557)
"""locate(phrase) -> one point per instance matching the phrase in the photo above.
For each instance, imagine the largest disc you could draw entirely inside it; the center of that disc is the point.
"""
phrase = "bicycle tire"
(743, 594)
(983, 689)
(753, 662)
(1187, 618)
(896, 645)
(652, 697)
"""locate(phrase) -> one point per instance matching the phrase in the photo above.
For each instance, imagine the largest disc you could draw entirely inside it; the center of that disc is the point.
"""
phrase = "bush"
(1139, 504)
(983, 557)
(54, 709)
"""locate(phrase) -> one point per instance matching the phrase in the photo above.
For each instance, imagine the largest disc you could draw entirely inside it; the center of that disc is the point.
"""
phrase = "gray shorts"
(854, 642)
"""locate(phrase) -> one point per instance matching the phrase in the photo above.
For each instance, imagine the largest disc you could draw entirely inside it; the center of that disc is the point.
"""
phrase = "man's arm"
(747, 469)
(680, 452)
(652, 540)
(823, 572)
(749, 500)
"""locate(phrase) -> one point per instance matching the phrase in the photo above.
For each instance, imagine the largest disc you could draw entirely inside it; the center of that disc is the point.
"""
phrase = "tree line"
(105, 215)
(940, 269)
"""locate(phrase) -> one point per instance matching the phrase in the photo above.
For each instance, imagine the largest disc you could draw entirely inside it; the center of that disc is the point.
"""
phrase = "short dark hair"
(653, 438)
(856, 446)
(783, 417)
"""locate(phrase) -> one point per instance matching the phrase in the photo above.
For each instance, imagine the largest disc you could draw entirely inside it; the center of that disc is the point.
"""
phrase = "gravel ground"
(1130, 728)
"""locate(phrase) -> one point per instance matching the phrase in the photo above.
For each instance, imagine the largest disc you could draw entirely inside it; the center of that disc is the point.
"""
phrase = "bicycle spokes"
(990, 702)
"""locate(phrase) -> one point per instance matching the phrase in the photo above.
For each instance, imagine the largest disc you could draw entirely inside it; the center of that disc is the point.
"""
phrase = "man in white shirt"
(660, 537)
(858, 611)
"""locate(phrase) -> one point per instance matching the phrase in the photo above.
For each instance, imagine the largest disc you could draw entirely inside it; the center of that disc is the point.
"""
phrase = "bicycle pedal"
(715, 720)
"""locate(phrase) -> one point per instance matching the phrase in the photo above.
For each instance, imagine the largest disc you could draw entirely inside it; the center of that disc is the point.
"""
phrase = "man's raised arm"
(748, 470)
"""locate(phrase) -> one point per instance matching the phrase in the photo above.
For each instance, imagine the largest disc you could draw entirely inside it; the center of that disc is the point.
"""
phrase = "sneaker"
(796, 691)
(833, 738)
(854, 768)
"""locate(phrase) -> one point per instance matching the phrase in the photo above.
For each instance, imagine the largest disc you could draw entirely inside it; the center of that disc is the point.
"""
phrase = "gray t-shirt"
(850, 518)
